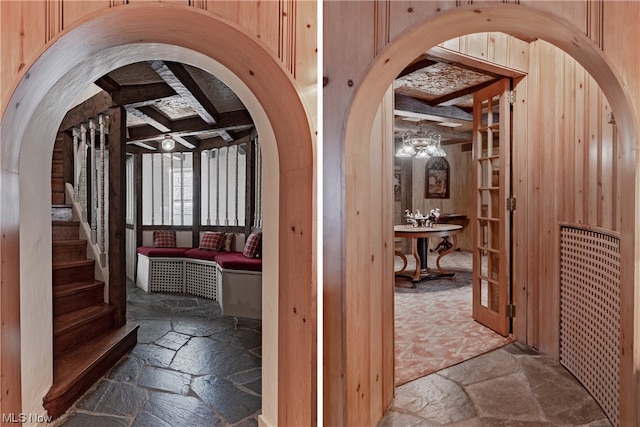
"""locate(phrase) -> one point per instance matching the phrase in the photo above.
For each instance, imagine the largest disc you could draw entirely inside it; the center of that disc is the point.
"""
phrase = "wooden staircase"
(86, 340)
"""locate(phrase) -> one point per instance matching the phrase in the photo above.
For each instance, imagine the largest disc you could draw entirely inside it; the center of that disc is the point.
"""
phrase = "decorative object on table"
(419, 220)
(434, 215)
(421, 145)
(437, 179)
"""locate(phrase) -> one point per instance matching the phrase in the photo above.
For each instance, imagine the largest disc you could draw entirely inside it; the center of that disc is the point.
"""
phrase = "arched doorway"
(102, 43)
(360, 115)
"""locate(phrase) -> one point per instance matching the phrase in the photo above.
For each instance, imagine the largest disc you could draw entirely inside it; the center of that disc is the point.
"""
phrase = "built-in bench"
(231, 278)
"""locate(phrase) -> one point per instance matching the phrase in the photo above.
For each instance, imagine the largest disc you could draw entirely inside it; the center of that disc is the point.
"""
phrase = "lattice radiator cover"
(200, 279)
(590, 313)
(167, 275)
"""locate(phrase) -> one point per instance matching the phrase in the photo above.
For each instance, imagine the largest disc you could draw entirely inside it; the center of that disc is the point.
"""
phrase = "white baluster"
(153, 187)
(171, 220)
(162, 188)
(94, 186)
(76, 165)
(102, 185)
(237, 220)
(208, 157)
(83, 171)
(226, 193)
(217, 151)
(181, 188)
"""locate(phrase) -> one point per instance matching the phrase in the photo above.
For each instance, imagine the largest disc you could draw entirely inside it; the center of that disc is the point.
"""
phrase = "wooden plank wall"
(365, 45)
(288, 28)
(571, 152)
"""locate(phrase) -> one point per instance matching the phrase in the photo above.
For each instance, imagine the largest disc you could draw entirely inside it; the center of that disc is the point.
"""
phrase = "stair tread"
(68, 242)
(74, 287)
(65, 223)
(73, 263)
(65, 322)
(71, 367)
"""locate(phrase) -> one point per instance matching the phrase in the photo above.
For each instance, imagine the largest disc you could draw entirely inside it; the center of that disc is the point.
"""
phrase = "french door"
(491, 236)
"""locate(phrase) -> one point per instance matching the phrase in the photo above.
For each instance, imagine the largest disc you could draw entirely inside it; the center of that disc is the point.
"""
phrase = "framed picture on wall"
(397, 183)
(437, 178)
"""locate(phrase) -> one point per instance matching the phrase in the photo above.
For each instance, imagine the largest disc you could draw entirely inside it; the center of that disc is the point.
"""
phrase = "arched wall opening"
(358, 139)
(80, 55)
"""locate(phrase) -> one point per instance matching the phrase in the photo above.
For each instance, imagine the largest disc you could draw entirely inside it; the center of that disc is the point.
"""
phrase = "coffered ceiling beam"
(155, 115)
(234, 120)
(184, 142)
(217, 142)
(176, 76)
(144, 94)
(147, 119)
(404, 103)
(462, 92)
(421, 62)
(107, 84)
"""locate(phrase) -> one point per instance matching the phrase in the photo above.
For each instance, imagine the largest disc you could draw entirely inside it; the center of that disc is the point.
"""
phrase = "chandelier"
(421, 145)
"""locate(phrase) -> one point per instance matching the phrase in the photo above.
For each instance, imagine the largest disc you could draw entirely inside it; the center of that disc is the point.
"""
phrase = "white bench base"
(240, 293)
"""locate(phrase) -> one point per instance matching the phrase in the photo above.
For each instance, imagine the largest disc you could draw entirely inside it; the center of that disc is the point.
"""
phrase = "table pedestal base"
(420, 250)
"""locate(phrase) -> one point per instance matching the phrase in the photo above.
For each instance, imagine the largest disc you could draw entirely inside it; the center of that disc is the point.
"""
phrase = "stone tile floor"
(191, 367)
(509, 386)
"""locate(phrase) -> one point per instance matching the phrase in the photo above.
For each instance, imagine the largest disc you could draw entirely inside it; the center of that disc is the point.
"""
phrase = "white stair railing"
(88, 191)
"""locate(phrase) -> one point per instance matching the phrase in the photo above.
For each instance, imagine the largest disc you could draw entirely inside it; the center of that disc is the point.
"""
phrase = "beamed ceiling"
(168, 98)
(198, 110)
(433, 93)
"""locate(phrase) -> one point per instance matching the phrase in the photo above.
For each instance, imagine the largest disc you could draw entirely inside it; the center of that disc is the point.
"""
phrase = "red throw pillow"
(212, 240)
(164, 239)
(252, 245)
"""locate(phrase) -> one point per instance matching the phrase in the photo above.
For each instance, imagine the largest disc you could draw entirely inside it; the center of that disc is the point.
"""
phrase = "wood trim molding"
(53, 19)
(595, 21)
(286, 51)
(382, 17)
(200, 4)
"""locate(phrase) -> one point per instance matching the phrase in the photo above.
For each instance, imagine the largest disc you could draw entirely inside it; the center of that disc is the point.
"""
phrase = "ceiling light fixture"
(421, 145)
(168, 143)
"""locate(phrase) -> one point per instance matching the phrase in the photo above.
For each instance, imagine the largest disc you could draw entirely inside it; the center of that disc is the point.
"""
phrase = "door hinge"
(511, 96)
(511, 310)
(511, 204)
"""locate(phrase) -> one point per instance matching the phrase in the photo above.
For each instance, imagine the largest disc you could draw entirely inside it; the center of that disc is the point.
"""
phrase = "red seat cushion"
(237, 261)
(204, 254)
(162, 252)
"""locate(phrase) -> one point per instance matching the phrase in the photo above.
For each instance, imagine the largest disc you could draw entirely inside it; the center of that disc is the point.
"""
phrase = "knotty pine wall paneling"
(342, 71)
(571, 153)
(29, 26)
(521, 217)
(541, 151)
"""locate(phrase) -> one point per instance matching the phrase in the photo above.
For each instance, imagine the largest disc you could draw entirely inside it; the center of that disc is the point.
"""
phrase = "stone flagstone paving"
(507, 387)
(191, 367)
